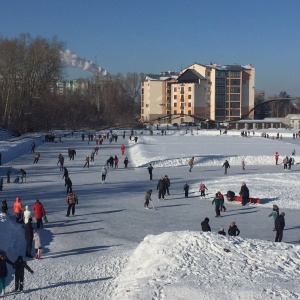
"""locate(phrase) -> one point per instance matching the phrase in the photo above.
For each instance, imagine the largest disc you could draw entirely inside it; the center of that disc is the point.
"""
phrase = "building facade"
(215, 92)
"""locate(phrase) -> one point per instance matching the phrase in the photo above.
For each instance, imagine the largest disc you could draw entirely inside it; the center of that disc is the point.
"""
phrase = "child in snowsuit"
(3, 271)
(37, 244)
(233, 230)
(202, 189)
(274, 214)
(20, 265)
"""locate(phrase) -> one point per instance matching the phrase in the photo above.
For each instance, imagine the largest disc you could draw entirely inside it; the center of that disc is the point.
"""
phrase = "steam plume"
(71, 59)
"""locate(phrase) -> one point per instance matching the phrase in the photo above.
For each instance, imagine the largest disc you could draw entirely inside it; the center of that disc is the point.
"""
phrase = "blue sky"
(159, 35)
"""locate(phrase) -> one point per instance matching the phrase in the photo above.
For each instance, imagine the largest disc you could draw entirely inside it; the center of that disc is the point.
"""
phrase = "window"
(235, 74)
(182, 112)
(189, 96)
(234, 104)
(220, 81)
(220, 105)
(220, 89)
(142, 91)
(175, 112)
(190, 89)
(235, 90)
(175, 96)
(189, 112)
(208, 73)
(189, 104)
(208, 97)
(175, 89)
(235, 81)
(182, 90)
(182, 98)
(220, 97)
(234, 112)
(234, 97)
(168, 112)
(175, 104)
(142, 111)
(147, 105)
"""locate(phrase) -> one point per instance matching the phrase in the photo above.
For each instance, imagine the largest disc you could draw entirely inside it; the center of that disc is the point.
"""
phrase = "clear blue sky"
(158, 35)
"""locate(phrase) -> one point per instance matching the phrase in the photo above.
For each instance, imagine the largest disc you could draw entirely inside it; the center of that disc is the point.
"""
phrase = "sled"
(251, 200)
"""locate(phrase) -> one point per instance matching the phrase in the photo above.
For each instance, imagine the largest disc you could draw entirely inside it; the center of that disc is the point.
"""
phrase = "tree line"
(29, 70)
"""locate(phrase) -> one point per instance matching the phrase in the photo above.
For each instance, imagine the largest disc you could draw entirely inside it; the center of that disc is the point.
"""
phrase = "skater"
(66, 173)
(122, 149)
(150, 169)
(8, 174)
(217, 202)
(3, 271)
(147, 198)
(68, 184)
(23, 174)
(36, 158)
(29, 237)
(285, 163)
(293, 152)
(61, 161)
(92, 157)
(111, 162)
(167, 184)
(135, 139)
(96, 150)
(243, 164)
(32, 147)
(87, 161)
(72, 200)
(161, 187)
(1, 184)
(191, 163)
(186, 190)
(244, 193)
(4, 206)
(290, 162)
(37, 244)
(222, 207)
(116, 161)
(126, 161)
(202, 189)
(222, 231)
(26, 214)
(233, 230)
(226, 166)
(20, 265)
(279, 226)
(274, 214)
(205, 226)
(276, 158)
(104, 173)
(18, 210)
(39, 213)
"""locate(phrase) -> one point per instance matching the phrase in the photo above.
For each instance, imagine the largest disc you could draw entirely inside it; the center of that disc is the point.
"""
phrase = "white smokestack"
(71, 59)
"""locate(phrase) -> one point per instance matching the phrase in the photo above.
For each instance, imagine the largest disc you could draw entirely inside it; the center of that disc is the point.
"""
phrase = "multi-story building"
(216, 92)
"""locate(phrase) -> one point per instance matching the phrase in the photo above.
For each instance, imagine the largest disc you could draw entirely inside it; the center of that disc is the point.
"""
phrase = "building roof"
(162, 76)
(234, 67)
(190, 75)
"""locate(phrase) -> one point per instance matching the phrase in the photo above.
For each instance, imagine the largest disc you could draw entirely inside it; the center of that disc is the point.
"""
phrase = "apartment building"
(216, 92)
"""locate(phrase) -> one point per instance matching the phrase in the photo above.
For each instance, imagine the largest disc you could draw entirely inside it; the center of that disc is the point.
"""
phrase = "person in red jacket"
(122, 149)
(39, 212)
(276, 157)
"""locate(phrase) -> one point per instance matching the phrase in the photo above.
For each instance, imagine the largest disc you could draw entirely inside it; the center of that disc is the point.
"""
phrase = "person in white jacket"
(26, 214)
(104, 173)
(37, 244)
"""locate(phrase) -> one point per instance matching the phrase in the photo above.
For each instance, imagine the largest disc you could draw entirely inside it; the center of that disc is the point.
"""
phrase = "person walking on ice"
(243, 164)
(276, 157)
(186, 190)
(226, 166)
(20, 265)
(104, 173)
(72, 200)
(279, 226)
(202, 189)
(148, 198)
(191, 163)
(150, 169)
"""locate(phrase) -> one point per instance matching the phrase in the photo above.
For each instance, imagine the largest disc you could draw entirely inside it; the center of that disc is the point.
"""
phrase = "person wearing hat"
(244, 193)
(3, 271)
(279, 226)
(20, 265)
(161, 187)
(147, 198)
(186, 190)
(233, 230)
(217, 201)
(167, 184)
(226, 166)
(150, 169)
(222, 231)
(205, 226)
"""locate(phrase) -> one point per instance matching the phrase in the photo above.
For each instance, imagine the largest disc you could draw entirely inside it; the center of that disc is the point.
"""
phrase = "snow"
(113, 248)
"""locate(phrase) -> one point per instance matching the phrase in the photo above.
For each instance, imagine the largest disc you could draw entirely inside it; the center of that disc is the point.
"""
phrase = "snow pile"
(193, 265)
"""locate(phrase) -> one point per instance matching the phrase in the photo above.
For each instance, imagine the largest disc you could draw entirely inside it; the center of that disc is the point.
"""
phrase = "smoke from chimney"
(71, 59)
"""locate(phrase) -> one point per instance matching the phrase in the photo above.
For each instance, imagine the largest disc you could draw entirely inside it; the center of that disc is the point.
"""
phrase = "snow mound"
(193, 265)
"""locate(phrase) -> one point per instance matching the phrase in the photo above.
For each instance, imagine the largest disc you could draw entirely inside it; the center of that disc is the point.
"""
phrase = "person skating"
(217, 202)
(72, 200)
(202, 189)
(222, 231)
(92, 157)
(147, 198)
(226, 166)
(39, 213)
(32, 147)
(274, 214)
(104, 173)
(111, 162)
(222, 206)
(37, 244)
(72, 154)
(244, 193)
(66, 173)
(28, 237)
(68, 184)
(122, 149)
(161, 187)
(150, 170)
(167, 184)
(186, 188)
(205, 225)
(243, 164)
(276, 158)
(61, 161)
(290, 162)
(126, 161)
(285, 163)
(233, 230)
(279, 226)
(87, 161)
(116, 162)
(4, 206)
(36, 158)
(26, 214)
(3, 271)
(191, 163)
(20, 265)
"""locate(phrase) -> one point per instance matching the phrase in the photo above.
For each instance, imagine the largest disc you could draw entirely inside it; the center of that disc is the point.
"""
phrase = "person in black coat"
(20, 265)
(68, 184)
(150, 169)
(4, 206)
(186, 190)
(66, 173)
(126, 161)
(3, 270)
(161, 187)
(222, 231)
(226, 166)
(233, 230)
(204, 225)
(244, 193)
(28, 237)
(279, 226)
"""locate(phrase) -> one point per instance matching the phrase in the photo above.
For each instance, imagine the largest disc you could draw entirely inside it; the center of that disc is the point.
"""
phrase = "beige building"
(200, 92)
